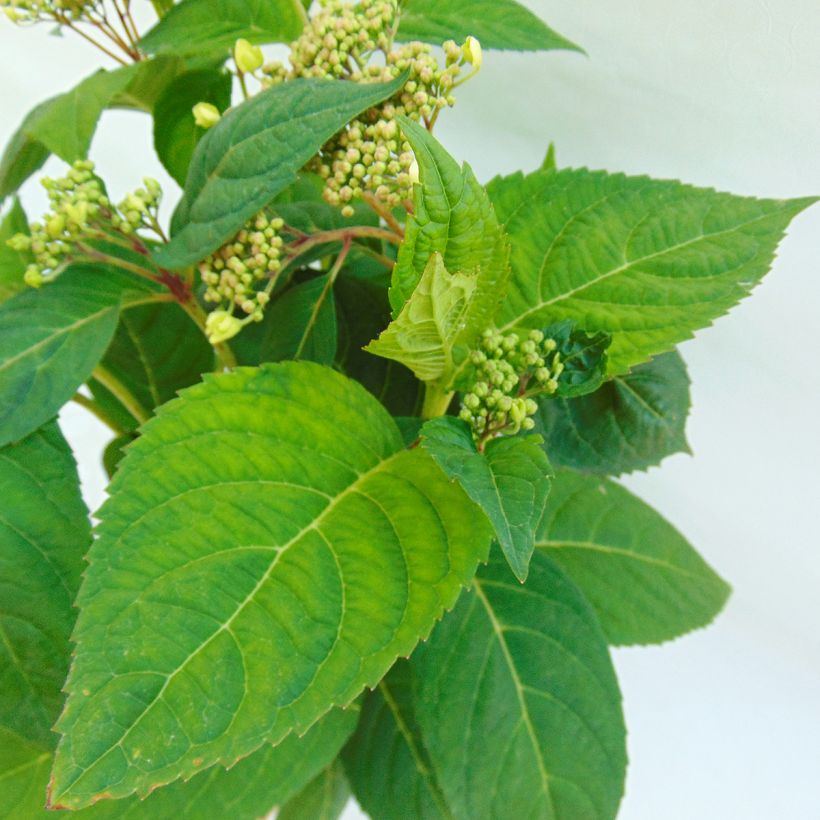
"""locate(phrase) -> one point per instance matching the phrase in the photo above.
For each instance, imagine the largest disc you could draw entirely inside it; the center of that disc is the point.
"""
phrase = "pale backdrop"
(724, 724)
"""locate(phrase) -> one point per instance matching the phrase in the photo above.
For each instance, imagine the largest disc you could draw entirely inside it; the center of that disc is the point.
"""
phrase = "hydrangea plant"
(364, 534)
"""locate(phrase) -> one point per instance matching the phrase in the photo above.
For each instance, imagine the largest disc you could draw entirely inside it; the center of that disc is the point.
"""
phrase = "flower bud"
(472, 52)
(248, 57)
(206, 115)
(221, 326)
(33, 277)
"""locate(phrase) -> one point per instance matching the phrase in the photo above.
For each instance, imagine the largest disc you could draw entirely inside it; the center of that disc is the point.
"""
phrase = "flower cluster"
(81, 212)
(233, 273)
(30, 11)
(509, 372)
(355, 42)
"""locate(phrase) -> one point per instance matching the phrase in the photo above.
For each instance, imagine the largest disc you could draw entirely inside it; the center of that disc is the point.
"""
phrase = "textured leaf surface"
(156, 351)
(208, 26)
(324, 798)
(496, 23)
(176, 134)
(583, 356)
(641, 575)
(12, 263)
(630, 423)
(253, 153)
(509, 482)
(249, 530)
(50, 341)
(386, 761)
(454, 217)
(518, 702)
(648, 261)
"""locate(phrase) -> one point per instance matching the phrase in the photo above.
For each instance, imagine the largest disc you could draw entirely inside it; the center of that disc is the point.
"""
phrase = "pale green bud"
(206, 115)
(248, 57)
(221, 326)
(33, 276)
(472, 52)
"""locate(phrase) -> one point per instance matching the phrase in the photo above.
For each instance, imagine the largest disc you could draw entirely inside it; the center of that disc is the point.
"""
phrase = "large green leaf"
(156, 351)
(324, 798)
(12, 263)
(175, 133)
(648, 261)
(44, 532)
(510, 482)
(496, 23)
(208, 26)
(630, 423)
(251, 529)
(386, 761)
(254, 152)
(518, 702)
(50, 341)
(641, 575)
(454, 217)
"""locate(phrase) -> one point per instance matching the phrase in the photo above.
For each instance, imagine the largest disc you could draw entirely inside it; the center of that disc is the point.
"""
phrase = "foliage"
(361, 535)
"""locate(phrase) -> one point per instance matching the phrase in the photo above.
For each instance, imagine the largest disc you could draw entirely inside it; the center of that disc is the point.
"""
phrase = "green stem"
(123, 395)
(308, 241)
(436, 401)
(223, 350)
(96, 410)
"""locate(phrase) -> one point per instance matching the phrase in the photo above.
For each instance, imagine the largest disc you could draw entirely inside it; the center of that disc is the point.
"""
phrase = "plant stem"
(307, 241)
(436, 401)
(223, 350)
(123, 395)
(96, 410)
(385, 214)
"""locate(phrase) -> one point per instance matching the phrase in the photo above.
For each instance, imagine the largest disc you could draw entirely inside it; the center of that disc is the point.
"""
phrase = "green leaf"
(50, 341)
(300, 324)
(362, 312)
(253, 153)
(644, 579)
(44, 532)
(431, 331)
(631, 423)
(386, 761)
(149, 79)
(510, 482)
(452, 216)
(648, 261)
(501, 24)
(584, 357)
(324, 798)
(209, 26)
(175, 133)
(292, 538)
(526, 670)
(12, 263)
(156, 351)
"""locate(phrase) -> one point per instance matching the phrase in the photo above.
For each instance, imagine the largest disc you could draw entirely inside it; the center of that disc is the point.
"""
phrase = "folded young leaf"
(13, 263)
(253, 153)
(496, 23)
(648, 261)
(176, 134)
(529, 668)
(50, 341)
(324, 798)
(386, 761)
(510, 482)
(644, 579)
(583, 356)
(213, 26)
(452, 216)
(249, 530)
(631, 423)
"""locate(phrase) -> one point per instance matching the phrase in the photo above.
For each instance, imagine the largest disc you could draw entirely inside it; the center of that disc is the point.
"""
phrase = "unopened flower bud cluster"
(509, 371)
(31, 11)
(233, 273)
(81, 211)
(369, 155)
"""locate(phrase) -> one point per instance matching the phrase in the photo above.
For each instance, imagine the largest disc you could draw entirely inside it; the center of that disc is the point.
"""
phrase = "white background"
(725, 723)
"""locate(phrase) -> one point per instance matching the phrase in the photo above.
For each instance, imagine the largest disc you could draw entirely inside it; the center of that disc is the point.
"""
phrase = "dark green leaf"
(518, 703)
(583, 356)
(253, 153)
(630, 423)
(50, 341)
(114, 453)
(509, 482)
(386, 761)
(12, 263)
(496, 23)
(324, 798)
(209, 26)
(267, 519)
(649, 261)
(175, 133)
(644, 579)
